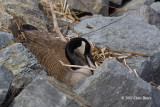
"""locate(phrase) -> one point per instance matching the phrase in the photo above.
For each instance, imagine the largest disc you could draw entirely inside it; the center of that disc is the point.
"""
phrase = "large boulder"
(48, 92)
(115, 85)
(6, 77)
(21, 62)
(130, 33)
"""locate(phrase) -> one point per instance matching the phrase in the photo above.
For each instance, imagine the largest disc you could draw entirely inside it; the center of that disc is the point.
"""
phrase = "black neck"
(69, 50)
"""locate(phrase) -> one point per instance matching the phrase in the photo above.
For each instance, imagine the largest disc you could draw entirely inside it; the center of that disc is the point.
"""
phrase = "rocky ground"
(132, 26)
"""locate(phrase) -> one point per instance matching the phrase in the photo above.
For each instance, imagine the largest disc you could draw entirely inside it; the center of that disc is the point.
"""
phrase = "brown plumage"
(49, 50)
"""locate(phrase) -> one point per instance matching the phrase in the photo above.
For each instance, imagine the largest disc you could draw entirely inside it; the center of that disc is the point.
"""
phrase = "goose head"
(83, 47)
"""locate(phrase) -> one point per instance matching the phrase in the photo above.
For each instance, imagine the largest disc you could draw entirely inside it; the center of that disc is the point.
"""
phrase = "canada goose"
(49, 50)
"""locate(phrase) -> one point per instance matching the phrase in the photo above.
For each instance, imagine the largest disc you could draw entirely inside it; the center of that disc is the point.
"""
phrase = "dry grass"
(100, 54)
(62, 11)
(3, 28)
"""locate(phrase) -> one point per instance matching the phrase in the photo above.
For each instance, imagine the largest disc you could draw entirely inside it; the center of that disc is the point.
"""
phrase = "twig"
(55, 22)
(130, 68)
(121, 57)
(76, 66)
(64, 7)
(74, 31)
(138, 54)
(5, 28)
(153, 84)
(19, 28)
(105, 25)
(66, 30)
(89, 9)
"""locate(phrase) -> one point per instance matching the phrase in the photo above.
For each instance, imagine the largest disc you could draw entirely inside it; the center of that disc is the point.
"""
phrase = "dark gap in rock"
(157, 0)
(124, 2)
(152, 76)
(12, 93)
(112, 8)
(81, 14)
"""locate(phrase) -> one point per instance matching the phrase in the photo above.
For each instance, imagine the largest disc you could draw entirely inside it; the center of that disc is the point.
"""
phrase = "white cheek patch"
(82, 47)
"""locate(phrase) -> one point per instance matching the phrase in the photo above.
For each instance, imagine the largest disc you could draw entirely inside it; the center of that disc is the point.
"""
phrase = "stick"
(138, 54)
(19, 28)
(64, 7)
(130, 68)
(76, 66)
(55, 22)
(74, 31)
(105, 25)
(66, 31)
(5, 28)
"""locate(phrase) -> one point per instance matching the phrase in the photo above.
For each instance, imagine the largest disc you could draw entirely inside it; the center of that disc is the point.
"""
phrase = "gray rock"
(156, 6)
(114, 85)
(21, 62)
(151, 69)
(6, 39)
(129, 34)
(48, 92)
(98, 6)
(6, 77)
(117, 2)
(149, 2)
(150, 15)
(130, 5)
(27, 12)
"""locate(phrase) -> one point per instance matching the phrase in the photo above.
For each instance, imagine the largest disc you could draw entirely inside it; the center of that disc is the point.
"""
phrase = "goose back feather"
(48, 50)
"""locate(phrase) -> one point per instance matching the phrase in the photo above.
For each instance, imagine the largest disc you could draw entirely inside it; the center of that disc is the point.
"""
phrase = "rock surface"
(6, 39)
(150, 15)
(156, 6)
(113, 85)
(130, 34)
(27, 12)
(42, 93)
(6, 77)
(21, 62)
(131, 5)
(98, 6)
(149, 2)
(151, 69)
